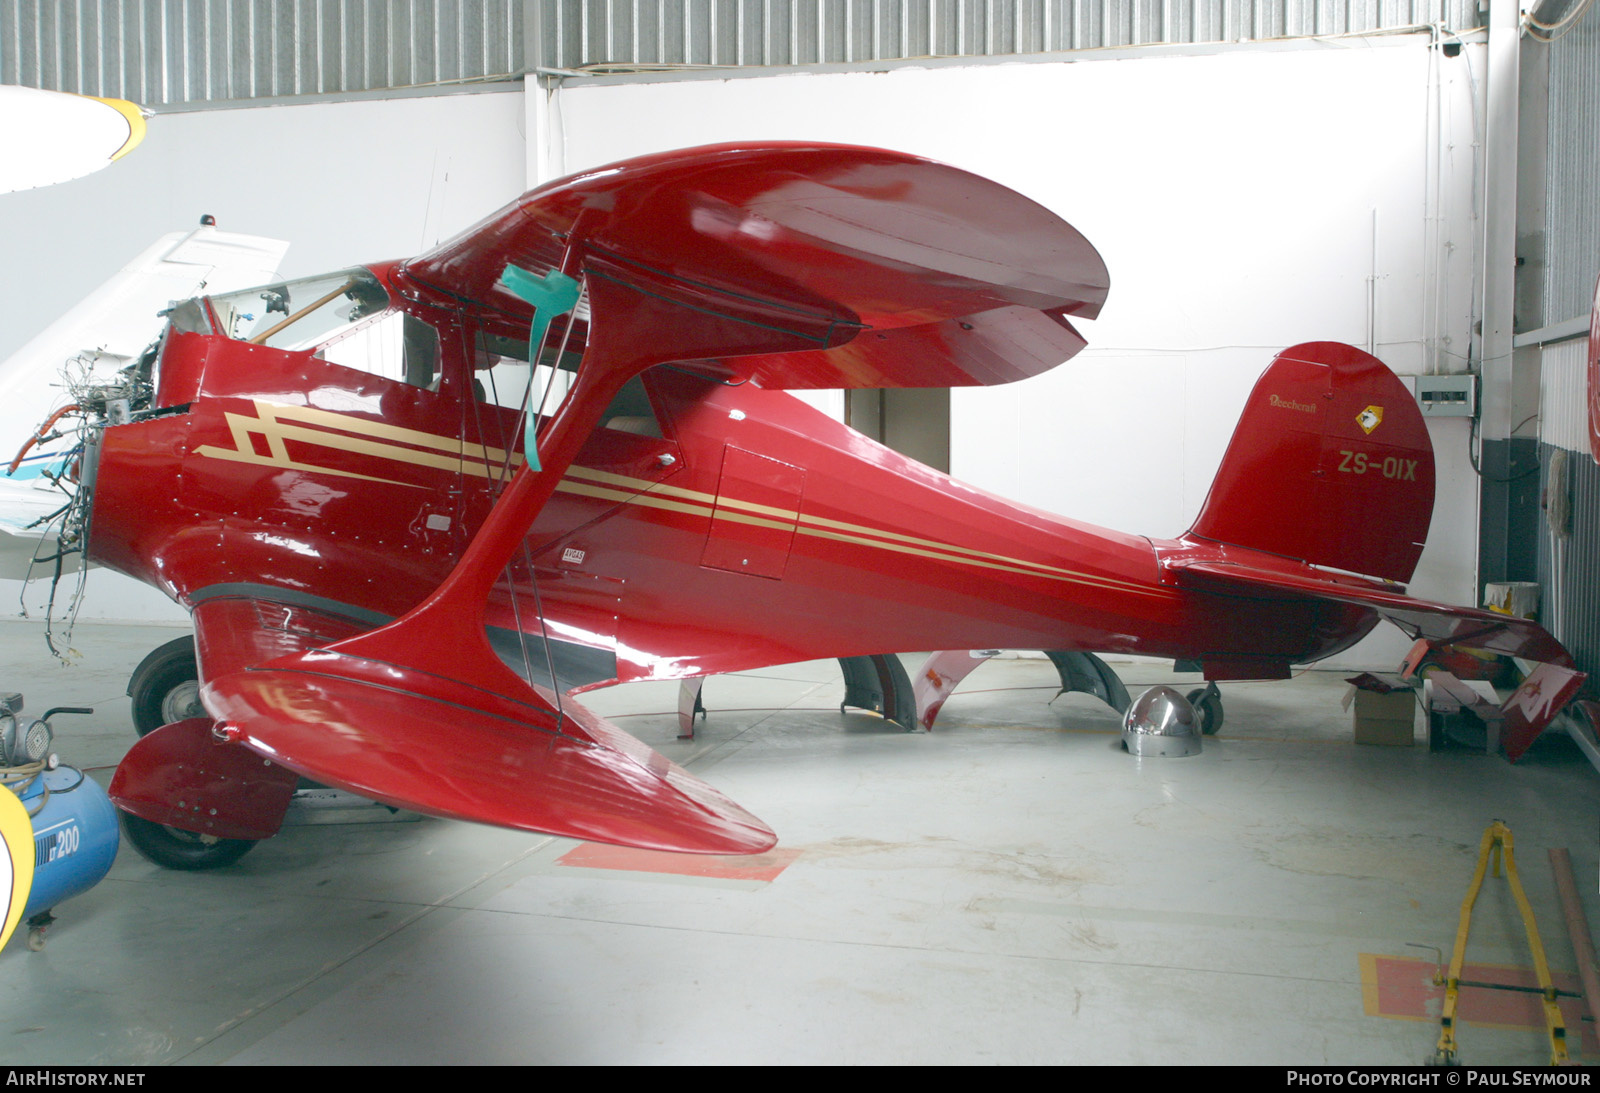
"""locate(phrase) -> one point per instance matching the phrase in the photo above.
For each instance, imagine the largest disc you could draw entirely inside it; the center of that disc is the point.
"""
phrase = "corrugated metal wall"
(169, 52)
(163, 52)
(1569, 564)
(1572, 206)
(787, 32)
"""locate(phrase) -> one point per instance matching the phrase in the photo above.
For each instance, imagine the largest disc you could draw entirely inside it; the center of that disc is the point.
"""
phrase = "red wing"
(884, 270)
(406, 738)
(444, 754)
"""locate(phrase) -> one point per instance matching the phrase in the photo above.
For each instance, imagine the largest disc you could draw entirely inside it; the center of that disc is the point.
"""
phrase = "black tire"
(166, 687)
(1208, 708)
(174, 848)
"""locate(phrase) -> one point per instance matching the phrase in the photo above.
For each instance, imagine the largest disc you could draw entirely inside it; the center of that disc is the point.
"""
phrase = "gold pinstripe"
(380, 440)
(696, 503)
(822, 527)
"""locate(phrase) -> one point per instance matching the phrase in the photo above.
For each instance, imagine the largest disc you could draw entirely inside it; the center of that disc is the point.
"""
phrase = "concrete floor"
(1010, 888)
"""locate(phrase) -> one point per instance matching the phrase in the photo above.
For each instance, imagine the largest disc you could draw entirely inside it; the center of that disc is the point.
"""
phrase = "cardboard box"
(1386, 719)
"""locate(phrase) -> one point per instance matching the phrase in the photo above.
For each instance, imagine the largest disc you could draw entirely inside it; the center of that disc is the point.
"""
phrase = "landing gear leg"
(1207, 703)
(166, 687)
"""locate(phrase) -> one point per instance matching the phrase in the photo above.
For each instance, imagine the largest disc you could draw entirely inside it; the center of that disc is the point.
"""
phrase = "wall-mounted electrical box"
(1446, 396)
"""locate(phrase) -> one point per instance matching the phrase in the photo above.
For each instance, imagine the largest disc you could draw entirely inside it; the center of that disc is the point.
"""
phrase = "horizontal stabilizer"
(1438, 622)
(461, 753)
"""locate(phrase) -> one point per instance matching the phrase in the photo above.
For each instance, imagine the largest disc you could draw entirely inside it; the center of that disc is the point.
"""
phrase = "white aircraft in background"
(87, 347)
(52, 136)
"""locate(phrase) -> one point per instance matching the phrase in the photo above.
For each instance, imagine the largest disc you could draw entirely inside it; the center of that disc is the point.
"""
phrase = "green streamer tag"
(552, 294)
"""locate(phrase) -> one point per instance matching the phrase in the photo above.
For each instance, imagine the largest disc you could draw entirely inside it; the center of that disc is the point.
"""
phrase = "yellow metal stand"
(1497, 837)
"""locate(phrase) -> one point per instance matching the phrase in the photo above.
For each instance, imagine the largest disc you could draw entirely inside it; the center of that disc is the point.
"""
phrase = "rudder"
(1330, 464)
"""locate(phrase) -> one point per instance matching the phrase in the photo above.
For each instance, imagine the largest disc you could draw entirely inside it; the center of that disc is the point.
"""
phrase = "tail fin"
(1330, 464)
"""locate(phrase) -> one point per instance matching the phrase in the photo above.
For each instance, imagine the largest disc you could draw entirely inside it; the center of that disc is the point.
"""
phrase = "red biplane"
(415, 507)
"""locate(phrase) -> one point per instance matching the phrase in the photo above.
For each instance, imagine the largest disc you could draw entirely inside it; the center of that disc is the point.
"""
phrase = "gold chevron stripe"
(271, 422)
(1112, 584)
(417, 438)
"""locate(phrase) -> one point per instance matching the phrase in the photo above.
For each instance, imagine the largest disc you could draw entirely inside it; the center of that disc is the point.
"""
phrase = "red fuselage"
(752, 530)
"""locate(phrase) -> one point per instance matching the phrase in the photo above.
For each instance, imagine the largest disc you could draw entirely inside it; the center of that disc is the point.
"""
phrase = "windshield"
(300, 314)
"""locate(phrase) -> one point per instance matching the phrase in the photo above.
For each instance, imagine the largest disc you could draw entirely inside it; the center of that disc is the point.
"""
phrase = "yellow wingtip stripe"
(135, 118)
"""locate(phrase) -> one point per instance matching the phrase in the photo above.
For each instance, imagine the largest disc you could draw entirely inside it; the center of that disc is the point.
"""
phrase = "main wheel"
(166, 687)
(175, 848)
(1207, 705)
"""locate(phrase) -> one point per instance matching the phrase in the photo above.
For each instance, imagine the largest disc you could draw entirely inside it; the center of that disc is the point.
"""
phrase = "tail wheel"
(1207, 703)
(175, 848)
(166, 687)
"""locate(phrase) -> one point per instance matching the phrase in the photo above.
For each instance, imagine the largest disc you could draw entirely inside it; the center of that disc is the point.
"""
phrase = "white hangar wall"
(1244, 201)
(344, 183)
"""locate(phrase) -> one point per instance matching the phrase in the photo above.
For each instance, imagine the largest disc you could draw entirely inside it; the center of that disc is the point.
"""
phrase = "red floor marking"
(1402, 988)
(762, 867)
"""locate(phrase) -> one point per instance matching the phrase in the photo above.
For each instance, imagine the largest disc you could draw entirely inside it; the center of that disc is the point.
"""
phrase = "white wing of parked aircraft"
(91, 343)
(51, 136)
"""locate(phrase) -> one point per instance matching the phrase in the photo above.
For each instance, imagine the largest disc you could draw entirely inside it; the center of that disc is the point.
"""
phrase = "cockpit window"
(397, 346)
(346, 315)
(300, 314)
(504, 376)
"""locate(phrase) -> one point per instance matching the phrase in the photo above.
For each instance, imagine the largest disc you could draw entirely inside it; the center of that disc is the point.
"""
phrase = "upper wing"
(882, 269)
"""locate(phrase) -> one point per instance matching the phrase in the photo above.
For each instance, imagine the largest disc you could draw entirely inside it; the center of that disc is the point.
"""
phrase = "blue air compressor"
(75, 834)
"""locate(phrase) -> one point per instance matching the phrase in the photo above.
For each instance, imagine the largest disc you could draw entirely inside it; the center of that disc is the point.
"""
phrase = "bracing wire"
(529, 418)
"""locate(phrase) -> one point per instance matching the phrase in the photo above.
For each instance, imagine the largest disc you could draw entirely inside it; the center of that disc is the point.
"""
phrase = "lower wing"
(283, 703)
